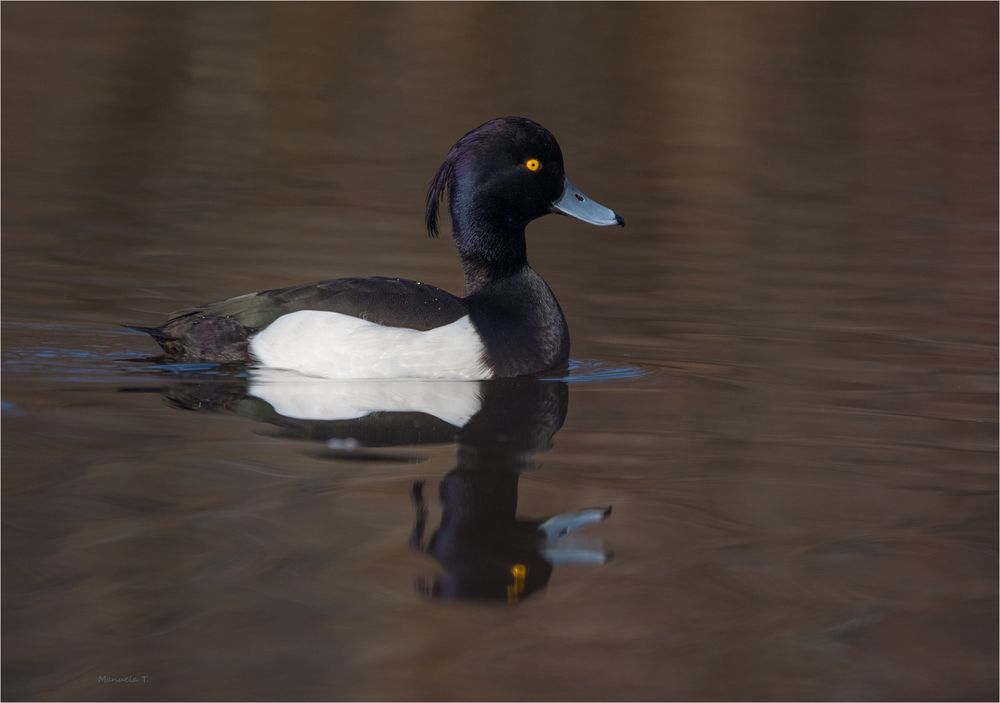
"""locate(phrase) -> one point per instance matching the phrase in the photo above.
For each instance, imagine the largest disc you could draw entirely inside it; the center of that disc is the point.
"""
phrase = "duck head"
(499, 177)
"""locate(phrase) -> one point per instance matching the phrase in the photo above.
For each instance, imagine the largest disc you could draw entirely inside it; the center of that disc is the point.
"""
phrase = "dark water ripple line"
(72, 365)
(579, 371)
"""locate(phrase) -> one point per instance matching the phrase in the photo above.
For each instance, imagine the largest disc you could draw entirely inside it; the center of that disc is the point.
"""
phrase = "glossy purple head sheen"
(488, 182)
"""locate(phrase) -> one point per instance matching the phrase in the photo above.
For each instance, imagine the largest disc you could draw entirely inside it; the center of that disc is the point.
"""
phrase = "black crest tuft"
(435, 194)
(443, 179)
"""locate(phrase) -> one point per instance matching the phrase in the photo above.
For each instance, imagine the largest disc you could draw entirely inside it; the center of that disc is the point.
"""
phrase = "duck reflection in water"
(486, 551)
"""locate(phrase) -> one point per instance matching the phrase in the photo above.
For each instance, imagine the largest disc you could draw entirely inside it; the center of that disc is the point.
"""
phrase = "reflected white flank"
(304, 398)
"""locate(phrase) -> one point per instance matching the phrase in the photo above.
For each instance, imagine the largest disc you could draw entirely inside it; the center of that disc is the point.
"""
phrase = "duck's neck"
(490, 246)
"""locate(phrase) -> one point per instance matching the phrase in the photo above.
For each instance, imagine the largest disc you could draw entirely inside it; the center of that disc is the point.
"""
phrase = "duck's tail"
(200, 338)
(156, 333)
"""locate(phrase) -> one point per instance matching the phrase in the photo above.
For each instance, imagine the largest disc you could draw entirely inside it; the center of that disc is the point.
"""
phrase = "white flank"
(332, 345)
(305, 398)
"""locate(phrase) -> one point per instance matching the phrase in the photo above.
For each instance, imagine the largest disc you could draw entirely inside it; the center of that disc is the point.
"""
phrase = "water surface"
(785, 383)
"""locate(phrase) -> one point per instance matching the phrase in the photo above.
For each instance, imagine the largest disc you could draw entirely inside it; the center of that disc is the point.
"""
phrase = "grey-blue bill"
(574, 203)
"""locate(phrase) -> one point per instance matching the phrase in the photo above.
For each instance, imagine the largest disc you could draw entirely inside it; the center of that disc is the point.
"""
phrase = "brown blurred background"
(804, 483)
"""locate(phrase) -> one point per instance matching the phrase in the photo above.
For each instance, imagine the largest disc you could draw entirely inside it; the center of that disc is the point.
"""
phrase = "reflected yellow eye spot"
(516, 589)
(532, 164)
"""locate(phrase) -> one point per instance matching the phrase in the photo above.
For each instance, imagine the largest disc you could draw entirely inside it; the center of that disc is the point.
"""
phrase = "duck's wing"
(394, 302)
(221, 331)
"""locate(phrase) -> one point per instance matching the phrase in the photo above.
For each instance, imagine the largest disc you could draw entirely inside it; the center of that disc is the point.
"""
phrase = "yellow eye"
(532, 164)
